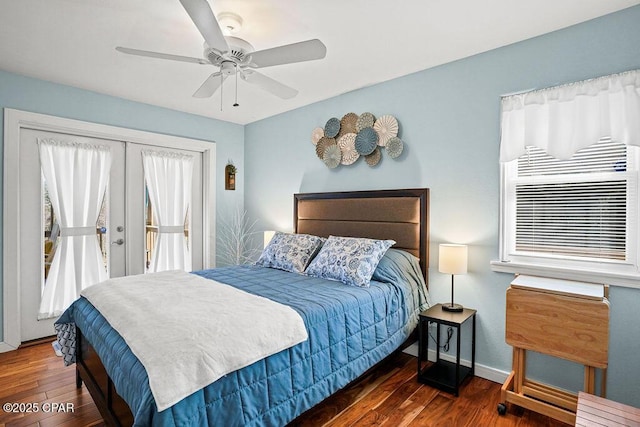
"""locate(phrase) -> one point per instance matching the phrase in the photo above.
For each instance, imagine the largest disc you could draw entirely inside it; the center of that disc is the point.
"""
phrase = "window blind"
(576, 207)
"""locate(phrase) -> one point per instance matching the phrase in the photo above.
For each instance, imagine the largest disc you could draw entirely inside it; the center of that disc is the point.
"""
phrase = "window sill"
(607, 278)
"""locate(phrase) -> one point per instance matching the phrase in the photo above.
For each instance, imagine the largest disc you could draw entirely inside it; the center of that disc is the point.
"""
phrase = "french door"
(126, 229)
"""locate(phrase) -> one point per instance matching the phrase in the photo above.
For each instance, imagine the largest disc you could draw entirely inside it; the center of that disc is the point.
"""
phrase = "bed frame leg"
(78, 356)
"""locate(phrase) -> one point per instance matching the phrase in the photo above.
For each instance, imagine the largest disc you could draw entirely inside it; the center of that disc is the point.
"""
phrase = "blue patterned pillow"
(290, 252)
(348, 259)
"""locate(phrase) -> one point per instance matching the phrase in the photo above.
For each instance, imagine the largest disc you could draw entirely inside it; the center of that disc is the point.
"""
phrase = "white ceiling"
(368, 41)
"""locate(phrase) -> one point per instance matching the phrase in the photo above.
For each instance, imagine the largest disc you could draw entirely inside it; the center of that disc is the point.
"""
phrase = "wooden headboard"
(401, 215)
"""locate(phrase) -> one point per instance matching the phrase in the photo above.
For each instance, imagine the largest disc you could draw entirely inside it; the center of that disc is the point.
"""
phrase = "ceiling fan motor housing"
(239, 52)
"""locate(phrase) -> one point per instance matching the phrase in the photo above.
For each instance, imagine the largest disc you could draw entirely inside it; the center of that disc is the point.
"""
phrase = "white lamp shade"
(452, 259)
(268, 235)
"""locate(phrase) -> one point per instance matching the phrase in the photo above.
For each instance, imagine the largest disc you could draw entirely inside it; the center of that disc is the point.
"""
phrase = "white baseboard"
(482, 371)
(4, 347)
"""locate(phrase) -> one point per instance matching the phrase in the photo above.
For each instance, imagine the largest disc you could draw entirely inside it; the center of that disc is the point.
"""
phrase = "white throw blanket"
(188, 331)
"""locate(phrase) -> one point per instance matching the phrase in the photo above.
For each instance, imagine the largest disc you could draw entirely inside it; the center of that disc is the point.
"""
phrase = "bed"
(350, 329)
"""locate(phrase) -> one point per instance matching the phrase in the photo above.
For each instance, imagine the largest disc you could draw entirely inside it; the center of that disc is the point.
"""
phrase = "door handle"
(118, 242)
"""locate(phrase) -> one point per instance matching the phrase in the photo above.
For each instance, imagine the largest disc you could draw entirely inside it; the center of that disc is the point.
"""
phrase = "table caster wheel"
(502, 408)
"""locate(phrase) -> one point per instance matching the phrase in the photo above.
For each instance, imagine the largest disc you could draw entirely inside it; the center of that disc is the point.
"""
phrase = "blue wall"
(449, 120)
(23, 93)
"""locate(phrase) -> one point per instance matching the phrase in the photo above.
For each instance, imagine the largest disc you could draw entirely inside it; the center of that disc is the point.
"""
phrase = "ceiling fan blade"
(159, 55)
(290, 53)
(210, 86)
(202, 15)
(267, 83)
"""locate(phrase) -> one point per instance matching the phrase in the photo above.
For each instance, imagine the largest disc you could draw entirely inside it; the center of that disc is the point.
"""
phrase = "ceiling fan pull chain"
(236, 103)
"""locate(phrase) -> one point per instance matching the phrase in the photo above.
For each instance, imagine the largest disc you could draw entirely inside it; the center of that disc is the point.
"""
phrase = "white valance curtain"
(561, 120)
(169, 177)
(76, 176)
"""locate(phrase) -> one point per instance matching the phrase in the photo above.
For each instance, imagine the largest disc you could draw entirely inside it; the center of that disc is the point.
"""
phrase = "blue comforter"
(350, 329)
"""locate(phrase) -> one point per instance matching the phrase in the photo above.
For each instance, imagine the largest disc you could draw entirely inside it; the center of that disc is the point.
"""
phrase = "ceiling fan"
(235, 56)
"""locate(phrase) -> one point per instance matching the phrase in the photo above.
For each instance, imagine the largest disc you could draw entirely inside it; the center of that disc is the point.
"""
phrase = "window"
(568, 195)
(576, 214)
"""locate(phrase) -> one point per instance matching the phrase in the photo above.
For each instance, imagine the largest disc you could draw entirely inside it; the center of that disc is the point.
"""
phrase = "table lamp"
(452, 260)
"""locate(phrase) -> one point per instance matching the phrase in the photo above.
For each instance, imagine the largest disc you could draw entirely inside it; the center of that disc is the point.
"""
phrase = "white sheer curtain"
(76, 176)
(169, 178)
(561, 120)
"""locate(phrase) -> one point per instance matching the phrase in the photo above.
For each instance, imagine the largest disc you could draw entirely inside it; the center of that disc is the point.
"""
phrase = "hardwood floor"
(388, 395)
(35, 375)
(391, 396)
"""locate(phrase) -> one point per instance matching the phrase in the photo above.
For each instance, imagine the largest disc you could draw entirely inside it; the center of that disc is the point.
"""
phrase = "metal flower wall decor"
(344, 141)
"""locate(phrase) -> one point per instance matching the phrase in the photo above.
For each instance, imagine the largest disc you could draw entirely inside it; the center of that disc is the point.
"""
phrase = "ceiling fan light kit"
(230, 23)
(235, 56)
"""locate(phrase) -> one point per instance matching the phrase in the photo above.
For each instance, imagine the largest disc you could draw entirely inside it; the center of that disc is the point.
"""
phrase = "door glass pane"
(151, 229)
(102, 231)
(186, 227)
(51, 230)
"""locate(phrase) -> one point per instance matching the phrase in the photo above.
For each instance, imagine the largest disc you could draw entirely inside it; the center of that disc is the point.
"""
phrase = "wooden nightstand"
(443, 374)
